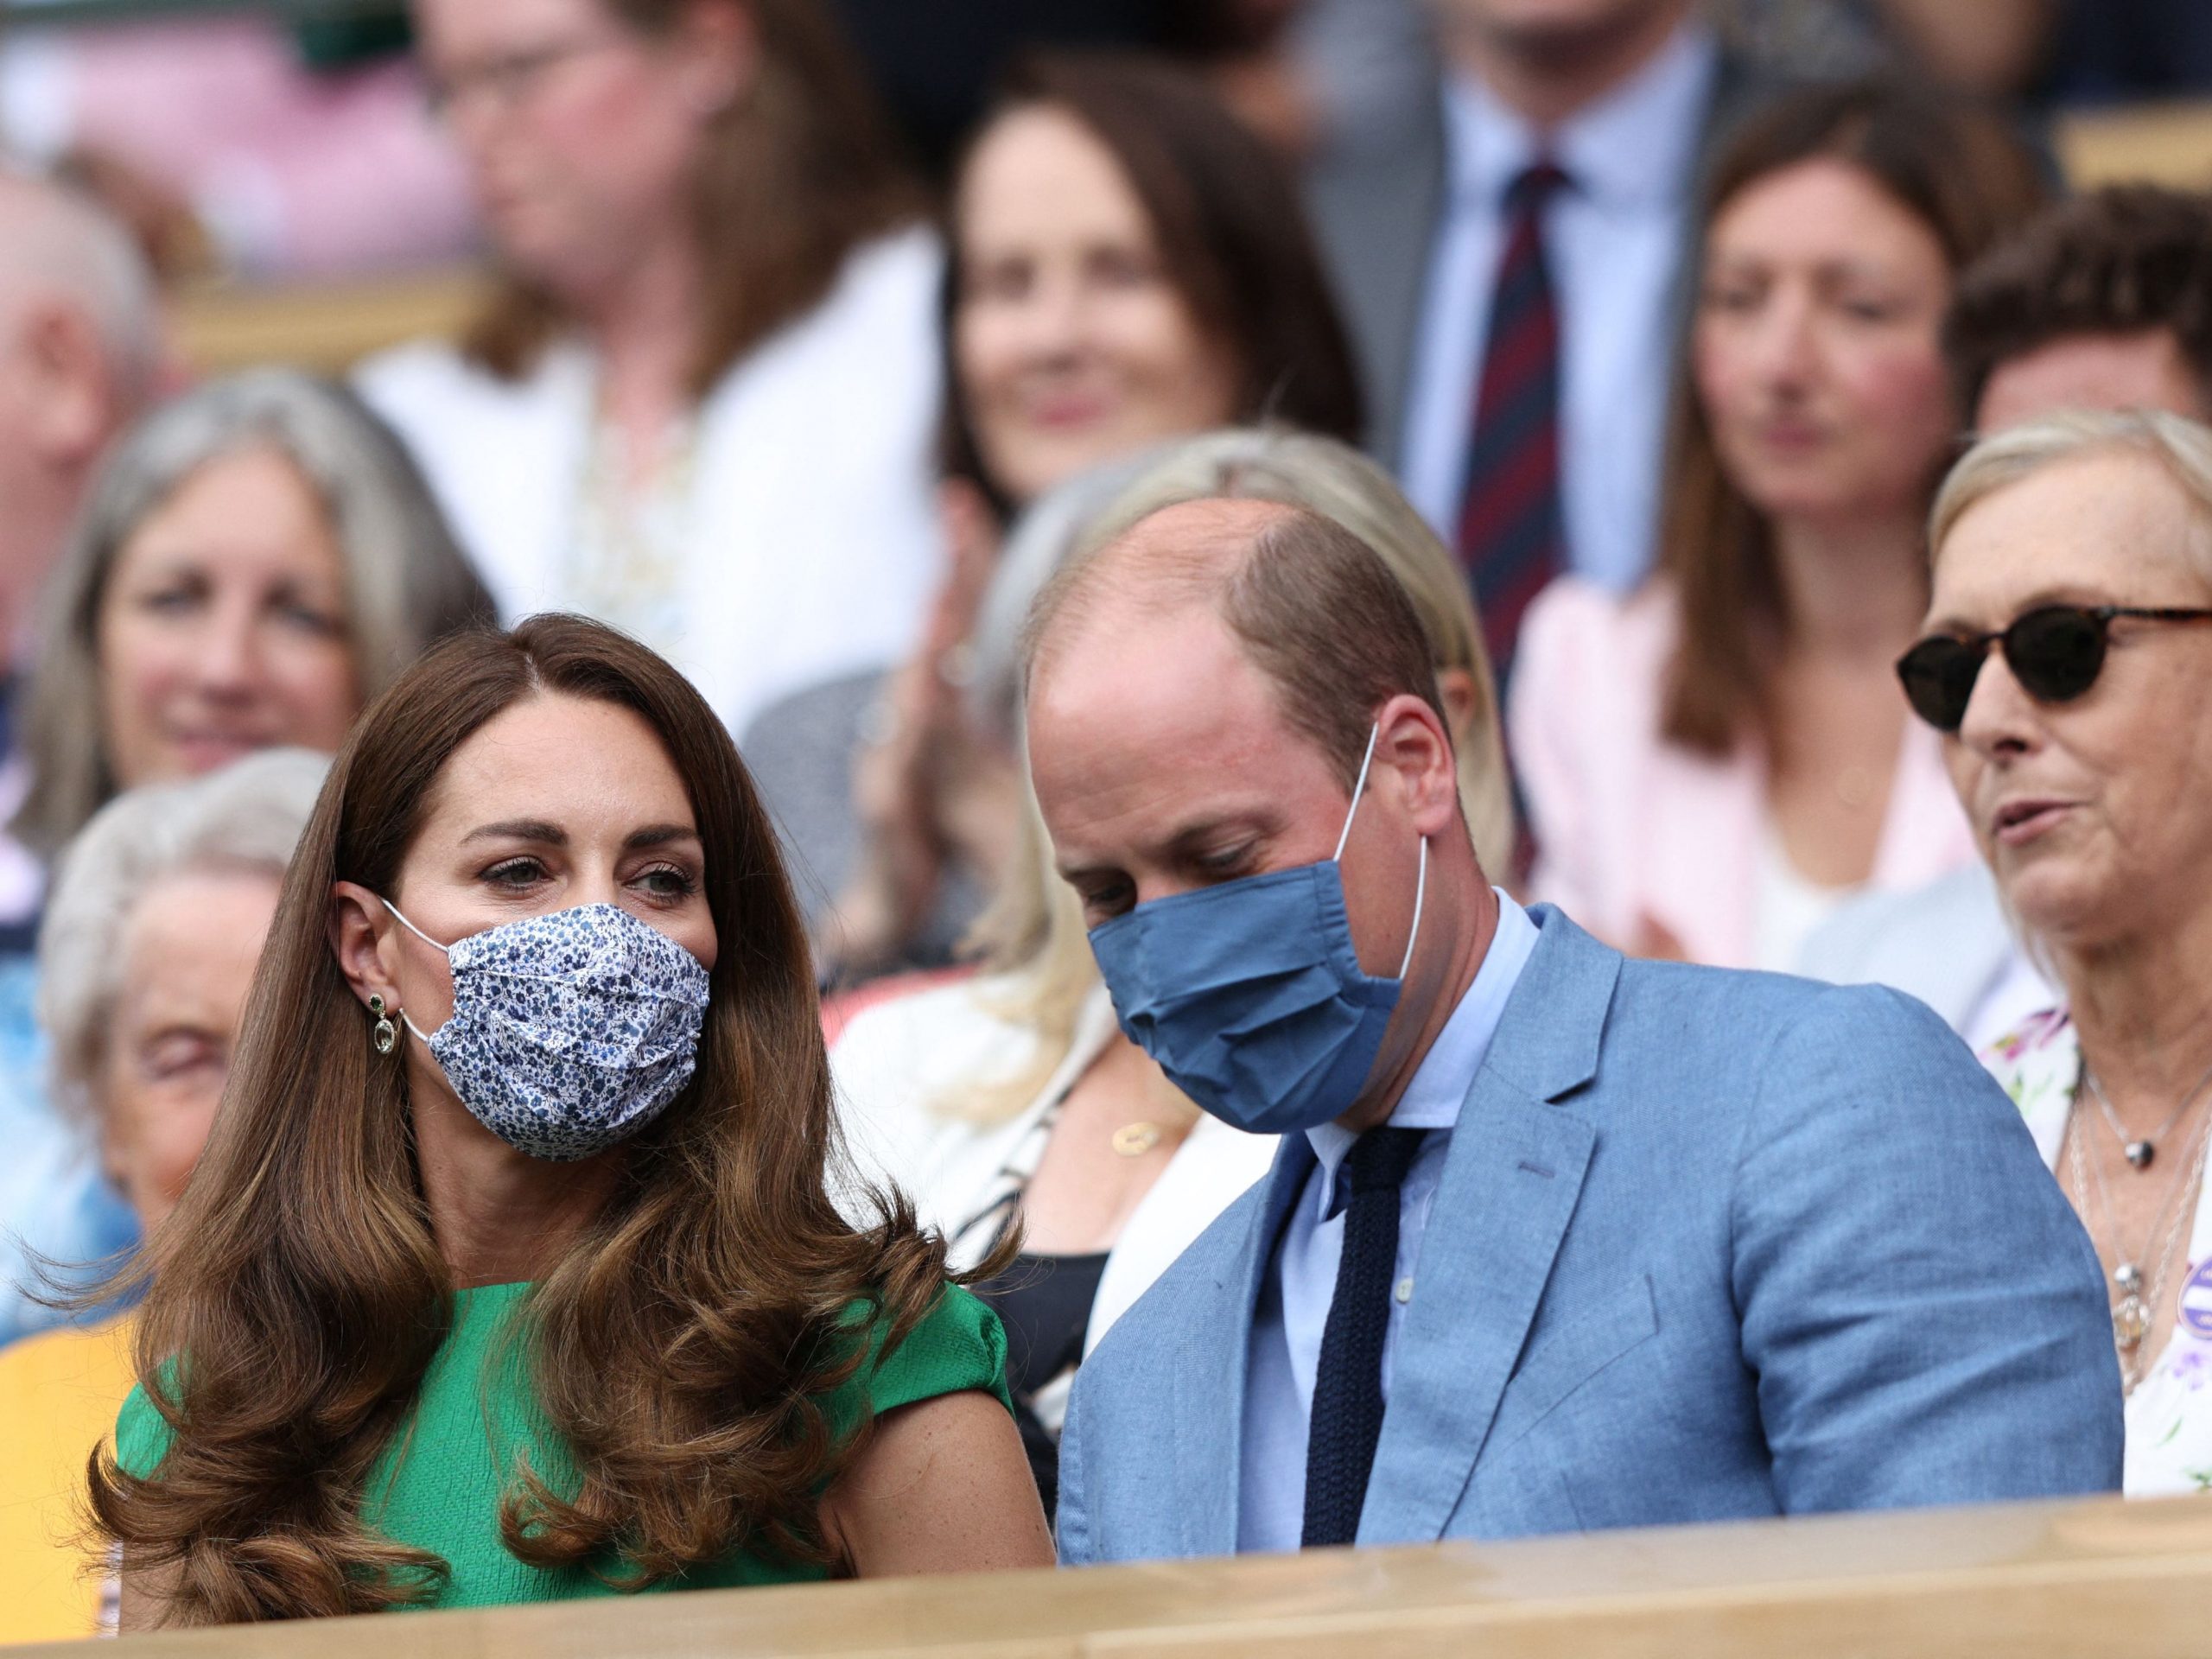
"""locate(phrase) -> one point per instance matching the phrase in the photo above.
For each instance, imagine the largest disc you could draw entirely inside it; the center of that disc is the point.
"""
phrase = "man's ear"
(1414, 743)
(359, 927)
(78, 402)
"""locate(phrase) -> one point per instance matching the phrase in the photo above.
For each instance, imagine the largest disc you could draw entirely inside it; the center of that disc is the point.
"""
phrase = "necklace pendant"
(2131, 1322)
(2129, 1278)
(1135, 1140)
(2141, 1153)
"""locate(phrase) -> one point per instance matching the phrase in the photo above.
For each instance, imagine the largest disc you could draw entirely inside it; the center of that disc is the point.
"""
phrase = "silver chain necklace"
(2142, 1153)
(2136, 1311)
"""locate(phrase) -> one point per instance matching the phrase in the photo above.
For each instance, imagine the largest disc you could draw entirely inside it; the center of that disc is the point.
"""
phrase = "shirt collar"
(1440, 1084)
(1636, 146)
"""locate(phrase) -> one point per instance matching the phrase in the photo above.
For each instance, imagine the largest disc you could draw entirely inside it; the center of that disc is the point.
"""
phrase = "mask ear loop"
(1420, 891)
(1357, 790)
(444, 950)
(1420, 880)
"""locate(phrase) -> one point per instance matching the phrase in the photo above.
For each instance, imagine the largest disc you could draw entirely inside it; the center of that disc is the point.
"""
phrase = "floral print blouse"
(2169, 1414)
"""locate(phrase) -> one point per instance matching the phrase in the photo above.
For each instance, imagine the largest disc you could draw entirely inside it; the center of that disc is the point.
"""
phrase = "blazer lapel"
(1510, 1183)
(1213, 1344)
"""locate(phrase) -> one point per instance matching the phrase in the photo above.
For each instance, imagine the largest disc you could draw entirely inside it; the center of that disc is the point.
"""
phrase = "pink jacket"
(1628, 826)
(296, 173)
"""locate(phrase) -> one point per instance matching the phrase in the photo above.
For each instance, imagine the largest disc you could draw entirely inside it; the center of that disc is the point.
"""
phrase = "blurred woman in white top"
(1014, 1096)
(700, 404)
(2067, 665)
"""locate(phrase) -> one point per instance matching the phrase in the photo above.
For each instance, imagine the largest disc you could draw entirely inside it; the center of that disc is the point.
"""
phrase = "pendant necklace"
(2137, 1309)
(2144, 1153)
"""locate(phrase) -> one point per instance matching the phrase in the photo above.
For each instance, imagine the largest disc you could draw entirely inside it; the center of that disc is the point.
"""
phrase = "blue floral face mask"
(570, 1031)
(1249, 994)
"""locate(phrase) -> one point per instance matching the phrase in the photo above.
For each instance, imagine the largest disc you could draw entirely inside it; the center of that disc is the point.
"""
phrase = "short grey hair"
(2181, 447)
(246, 818)
(407, 583)
(59, 242)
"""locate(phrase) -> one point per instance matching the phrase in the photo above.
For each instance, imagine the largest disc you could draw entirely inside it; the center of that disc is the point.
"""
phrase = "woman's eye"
(1731, 299)
(668, 883)
(515, 872)
(311, 619)
(1001, 280)
(174, 600)
(176, 1053)
(1869, 310)
(1121, 267)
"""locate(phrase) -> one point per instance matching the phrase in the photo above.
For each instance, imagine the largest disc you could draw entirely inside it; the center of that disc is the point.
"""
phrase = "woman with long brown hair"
(1128, 265)
(509, 1273)
(701, 402)
(1712, 762)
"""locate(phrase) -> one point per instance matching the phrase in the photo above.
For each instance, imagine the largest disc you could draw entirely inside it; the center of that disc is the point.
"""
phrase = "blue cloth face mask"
(1249, 994)
(570, 1031)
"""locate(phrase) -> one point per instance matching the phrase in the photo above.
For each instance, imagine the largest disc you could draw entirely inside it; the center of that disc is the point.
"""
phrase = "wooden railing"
(2034, 1581)
(325, 326)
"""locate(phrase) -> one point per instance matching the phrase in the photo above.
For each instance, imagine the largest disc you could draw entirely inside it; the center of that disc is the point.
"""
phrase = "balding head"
(79, 351)
(1312, 607)
(57, 246)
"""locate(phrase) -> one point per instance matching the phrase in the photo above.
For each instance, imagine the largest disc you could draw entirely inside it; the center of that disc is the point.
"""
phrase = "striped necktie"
(1511, 538)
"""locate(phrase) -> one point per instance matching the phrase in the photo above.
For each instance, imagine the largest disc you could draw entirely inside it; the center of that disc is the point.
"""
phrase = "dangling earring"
(386, 1035)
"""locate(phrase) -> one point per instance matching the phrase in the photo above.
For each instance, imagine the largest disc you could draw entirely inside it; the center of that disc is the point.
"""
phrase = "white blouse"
(790, 535)
(2168, 1415)
(896, 1064)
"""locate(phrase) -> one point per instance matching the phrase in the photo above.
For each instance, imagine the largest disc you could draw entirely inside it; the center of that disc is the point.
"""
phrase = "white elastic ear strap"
(1421, 889)
(435, 946)
(411, 928)
(1357, 790)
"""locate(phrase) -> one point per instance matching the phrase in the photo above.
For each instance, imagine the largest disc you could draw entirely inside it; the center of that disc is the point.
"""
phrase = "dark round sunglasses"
(2055, 651)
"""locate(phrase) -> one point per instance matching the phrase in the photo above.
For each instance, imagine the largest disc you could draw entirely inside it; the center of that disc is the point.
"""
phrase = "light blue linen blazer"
(1708, 1245)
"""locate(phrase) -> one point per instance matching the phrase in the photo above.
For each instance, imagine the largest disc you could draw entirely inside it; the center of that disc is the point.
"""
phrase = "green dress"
(439, 1484)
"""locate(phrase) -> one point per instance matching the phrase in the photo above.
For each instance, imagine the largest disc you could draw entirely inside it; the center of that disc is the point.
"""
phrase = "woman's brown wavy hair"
(682, 1345)
(795, 174)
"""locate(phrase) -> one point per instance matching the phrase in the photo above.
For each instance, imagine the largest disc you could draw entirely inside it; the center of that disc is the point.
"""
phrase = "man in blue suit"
(1555, 1240)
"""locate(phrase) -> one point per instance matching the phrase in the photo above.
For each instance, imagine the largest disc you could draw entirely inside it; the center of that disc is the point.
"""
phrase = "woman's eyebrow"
(520, 829)
(659, 834)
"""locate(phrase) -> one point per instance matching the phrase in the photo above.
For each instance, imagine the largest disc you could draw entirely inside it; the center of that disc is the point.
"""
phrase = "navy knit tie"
(1512, 538)
(1347, 1418)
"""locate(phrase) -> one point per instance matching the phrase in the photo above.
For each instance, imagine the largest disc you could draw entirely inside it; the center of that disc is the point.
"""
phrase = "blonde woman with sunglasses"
(2067, 666)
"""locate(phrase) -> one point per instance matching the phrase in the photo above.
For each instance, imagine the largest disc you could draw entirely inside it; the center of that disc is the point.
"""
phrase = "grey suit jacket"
(1707, 1245)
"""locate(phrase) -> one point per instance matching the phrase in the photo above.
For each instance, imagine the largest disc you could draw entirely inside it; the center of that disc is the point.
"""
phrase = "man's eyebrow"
(520, 829)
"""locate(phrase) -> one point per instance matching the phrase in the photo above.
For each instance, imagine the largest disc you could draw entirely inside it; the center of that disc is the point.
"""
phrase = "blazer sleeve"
(1925, 1317)
(1072, 1522)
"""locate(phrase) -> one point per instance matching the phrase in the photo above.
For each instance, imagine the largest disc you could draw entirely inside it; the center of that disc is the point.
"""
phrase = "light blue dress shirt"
(1615, 241)
(1301, 1280)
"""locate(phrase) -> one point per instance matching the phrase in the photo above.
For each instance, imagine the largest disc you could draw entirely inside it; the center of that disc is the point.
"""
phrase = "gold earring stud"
(386, 1035)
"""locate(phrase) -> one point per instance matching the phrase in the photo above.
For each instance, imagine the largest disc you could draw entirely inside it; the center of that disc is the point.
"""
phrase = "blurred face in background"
(582, 131)
(1816, 350)
(189, 955)
(1073, 343)
(222, 627)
